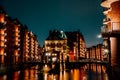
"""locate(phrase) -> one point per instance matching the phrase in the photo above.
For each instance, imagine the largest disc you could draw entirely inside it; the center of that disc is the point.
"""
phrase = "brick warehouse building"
(17, 43)
(69, 45)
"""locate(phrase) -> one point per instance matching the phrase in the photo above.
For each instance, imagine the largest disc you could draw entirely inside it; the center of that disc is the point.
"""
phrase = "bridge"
(83, 61)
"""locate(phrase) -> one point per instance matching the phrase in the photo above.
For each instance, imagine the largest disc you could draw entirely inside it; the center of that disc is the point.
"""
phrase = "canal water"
(46, 72)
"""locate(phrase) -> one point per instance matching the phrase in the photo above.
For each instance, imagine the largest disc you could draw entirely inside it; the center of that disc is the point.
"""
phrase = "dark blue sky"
(68, 15)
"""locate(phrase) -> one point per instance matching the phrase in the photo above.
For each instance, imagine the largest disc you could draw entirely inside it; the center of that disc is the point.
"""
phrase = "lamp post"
(107, 47)
(109, 51)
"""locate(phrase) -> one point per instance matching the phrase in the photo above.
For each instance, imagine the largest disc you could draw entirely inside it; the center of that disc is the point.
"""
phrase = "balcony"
(104, 3)
(106, 10)
(106, 20)
(107, 3)
(114, 29)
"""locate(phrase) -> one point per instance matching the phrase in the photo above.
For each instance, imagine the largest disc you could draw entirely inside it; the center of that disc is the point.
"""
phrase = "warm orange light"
(16, 34)
(16, 42)
(2, 38)
(16, 38)
(2, 18)
(32, 74)
(1, 43)
(26, 73)
(16, 75)
(16, 52)
(16, 28)
(1, 51)
(76, 75)
(2, 32)
(2, 59)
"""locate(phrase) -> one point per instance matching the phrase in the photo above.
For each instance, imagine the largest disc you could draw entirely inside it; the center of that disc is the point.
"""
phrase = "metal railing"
(106, 20)
(115, 27)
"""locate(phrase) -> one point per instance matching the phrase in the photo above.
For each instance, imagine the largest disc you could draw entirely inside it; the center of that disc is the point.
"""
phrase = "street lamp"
(99, 36)
(47, 56)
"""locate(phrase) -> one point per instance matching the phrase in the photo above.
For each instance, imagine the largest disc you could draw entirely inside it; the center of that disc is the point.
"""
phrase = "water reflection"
(86, 72)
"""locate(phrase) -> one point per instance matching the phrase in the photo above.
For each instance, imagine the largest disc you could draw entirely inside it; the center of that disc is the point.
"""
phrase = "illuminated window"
(2, 38)
(16, 34)
(16, 52)
(16, 29)
(1, 43)
(2, 32)
(16, 42)
(1, 51)
(2, 18)
(16, 38)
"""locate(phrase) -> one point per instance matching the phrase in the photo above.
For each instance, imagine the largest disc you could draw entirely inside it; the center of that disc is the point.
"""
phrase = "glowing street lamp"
(99, 36)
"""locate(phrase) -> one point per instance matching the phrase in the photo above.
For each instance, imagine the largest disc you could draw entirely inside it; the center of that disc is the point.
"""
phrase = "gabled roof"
(56, 35)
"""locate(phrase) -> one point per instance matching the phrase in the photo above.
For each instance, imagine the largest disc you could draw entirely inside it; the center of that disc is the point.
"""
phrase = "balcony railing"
(106, 20)
(106, 9)
(114, 28)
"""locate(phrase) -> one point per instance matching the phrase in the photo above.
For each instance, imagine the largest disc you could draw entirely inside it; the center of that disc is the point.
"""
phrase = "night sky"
(68, 15)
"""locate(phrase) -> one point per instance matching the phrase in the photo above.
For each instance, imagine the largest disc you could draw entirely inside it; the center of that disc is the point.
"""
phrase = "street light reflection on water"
(86, 72)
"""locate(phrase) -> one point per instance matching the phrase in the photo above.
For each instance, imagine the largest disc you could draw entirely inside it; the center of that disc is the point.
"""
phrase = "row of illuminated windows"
(2, 44)
(55, 48)
(2, 31)
(2, 51)
(54, 45)
(98, 53)
(32, 47)
(32, 50)
(54, 41)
